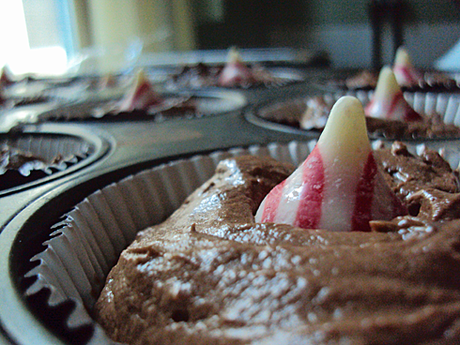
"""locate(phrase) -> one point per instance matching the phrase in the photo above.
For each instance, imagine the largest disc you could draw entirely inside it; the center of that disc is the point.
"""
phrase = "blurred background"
(70, 36)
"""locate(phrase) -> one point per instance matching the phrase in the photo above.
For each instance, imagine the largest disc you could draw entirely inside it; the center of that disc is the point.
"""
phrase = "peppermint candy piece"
(339, 186)
(235, 71)
(388, 100)
(141, 95)
(405, 72)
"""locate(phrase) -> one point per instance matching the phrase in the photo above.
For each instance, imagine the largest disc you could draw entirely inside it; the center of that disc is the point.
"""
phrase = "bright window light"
(46, 61)
(13, 31)
(16, 52)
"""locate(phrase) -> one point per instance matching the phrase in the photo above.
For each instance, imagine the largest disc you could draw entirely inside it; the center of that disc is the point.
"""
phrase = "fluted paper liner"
(88, 242)
(58, 154)
(48, 147)
(447, 105)
(207, 103)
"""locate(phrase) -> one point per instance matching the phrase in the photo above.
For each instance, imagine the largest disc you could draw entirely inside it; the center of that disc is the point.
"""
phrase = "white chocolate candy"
(235, 71)
(5, 77)
(338, 187)
(388, 100)
(141, 95)
(405, 72)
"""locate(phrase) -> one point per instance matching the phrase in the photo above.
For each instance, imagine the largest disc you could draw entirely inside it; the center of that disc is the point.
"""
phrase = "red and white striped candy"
(338, 187)
(235, 71)
(405, 72)
(388, 100)
(5, 77)
(141, 95)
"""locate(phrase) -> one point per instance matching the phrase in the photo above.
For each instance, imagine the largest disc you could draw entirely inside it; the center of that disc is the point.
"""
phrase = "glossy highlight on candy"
(338, 187)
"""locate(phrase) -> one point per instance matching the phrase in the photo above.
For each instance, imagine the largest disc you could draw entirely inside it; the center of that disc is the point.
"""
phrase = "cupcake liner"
(207, 75)
(432, 81)
(285, 115)
(56, 155)
(88, 241)
(426, 103)
(26, 89)
(175, 106)
(48, 147)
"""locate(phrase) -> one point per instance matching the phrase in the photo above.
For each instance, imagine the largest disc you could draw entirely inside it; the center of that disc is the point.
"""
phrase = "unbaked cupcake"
(391, 113)
(235, 73)
(141, 101)
(211, 274)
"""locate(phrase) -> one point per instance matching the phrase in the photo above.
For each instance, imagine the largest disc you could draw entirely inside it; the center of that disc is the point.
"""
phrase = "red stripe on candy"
(369, 106)
(362, 212)
(311, 198)
(394, 102)
(409, 113)
(407, 75)
(143, 88)
(272, 202)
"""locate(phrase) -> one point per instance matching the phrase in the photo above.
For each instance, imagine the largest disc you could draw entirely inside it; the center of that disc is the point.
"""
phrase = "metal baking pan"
(47, 142)
(44, 317)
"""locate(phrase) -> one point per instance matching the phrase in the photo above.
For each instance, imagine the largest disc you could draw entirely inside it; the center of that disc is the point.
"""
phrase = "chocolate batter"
(210, 275)
(432, 81)
(432, 126)
(205, 75)
(312, 114)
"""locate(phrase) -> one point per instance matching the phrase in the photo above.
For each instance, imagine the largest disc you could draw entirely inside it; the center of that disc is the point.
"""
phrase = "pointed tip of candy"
(405, 72)
(141, 95)
(235, 71)
(345, 131)
(387, 86)
(402, 57)
(140, 77)
(388, 101)
(6, 76)
(347, 108)
(234, 55)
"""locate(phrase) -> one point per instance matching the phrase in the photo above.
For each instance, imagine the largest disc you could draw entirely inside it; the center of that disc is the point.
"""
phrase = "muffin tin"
(57, 283)
(62, 152)
(93, 247)
(43, 302)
